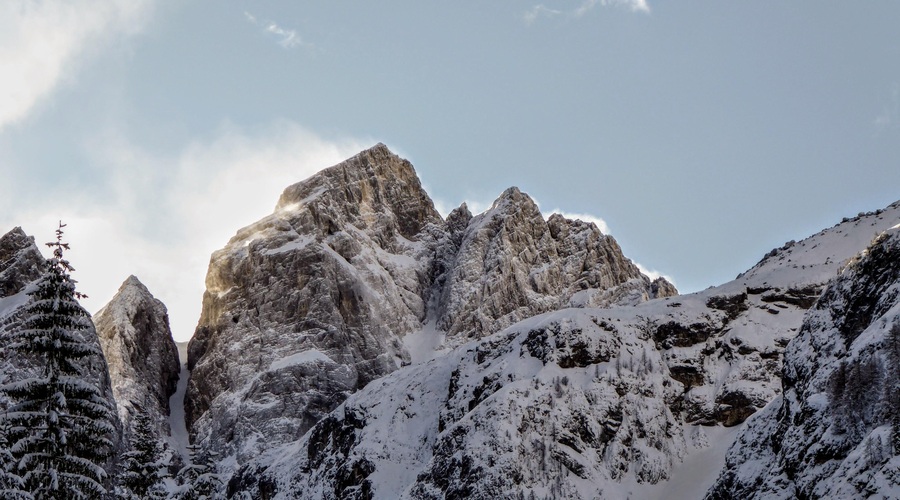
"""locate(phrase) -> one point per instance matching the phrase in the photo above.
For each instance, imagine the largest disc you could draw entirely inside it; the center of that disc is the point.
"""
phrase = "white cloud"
(162, 217)
(540, 10)
(287, 38)
(42, 42)
(632, 5)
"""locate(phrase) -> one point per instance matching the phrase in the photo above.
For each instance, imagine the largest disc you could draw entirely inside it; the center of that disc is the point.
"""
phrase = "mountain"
(21, 265)
(835, 430)
(355, 275)
(20, 262)
(355, 344)
(143, 360)
(576, 403)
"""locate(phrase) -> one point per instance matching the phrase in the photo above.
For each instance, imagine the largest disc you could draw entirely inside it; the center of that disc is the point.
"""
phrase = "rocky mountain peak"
(517, 264)
(363, 190)
(21, 261)
(327, 293)
(134, 334)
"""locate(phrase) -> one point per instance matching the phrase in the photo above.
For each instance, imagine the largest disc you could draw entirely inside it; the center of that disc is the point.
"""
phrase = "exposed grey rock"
(509, 264)
(142, 357)
(834, 431)
(309, 304)
(313, 302)
(573, 403)
(20, 262)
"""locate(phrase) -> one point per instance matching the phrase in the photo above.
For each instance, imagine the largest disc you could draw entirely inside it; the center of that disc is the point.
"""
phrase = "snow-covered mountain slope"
(322, 297)
(835, 431)
(143, 360)
(577, 403)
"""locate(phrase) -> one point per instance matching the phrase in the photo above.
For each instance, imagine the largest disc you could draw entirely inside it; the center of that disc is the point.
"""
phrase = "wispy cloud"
(538, 11)
(632, 5)
(890, 115)
(42, 42)
(542, 11)
(287, 38)
(201, 195)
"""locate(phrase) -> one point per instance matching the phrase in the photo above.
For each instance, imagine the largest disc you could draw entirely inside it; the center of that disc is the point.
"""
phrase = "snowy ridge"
(573, 403)
(837, 420)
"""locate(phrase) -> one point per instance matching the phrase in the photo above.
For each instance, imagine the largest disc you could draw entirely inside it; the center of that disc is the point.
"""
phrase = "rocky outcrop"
(576, 403)
(309, 304)
(835, 431)
(143, 360)
(20, 262)
(314, 302)
(509, 263)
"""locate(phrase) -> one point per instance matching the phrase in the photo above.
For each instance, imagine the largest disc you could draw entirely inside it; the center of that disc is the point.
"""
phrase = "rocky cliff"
(509, 263)
(320, 298)
(143, 360)
(20, 262)
(573, 403)
(833, 433)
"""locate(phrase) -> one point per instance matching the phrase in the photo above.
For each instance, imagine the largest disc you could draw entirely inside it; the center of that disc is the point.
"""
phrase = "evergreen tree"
(143, 468)
(199, 479)
(11, 484)
(892, 388)
(59, 422)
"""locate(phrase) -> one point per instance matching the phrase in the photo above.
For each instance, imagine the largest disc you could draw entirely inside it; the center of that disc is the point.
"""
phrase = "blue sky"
(702, 133)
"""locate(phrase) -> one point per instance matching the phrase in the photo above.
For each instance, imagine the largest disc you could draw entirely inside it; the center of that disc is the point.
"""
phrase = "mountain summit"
(354, 275)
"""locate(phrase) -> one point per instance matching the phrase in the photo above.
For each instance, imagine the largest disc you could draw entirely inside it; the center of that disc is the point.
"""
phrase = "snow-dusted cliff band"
(575, 403)
(354, 275)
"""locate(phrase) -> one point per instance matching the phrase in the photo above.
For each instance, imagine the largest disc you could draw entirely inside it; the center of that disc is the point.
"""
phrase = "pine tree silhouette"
(59, 424)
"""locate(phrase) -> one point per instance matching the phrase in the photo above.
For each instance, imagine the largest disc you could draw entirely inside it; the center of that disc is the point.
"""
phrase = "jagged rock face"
(20, 262)
(142, 357)
(571, 402)
(545, 407)
(835, 432)
(509, 264)
(725, 344)
(309, 304)
(313, 302)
